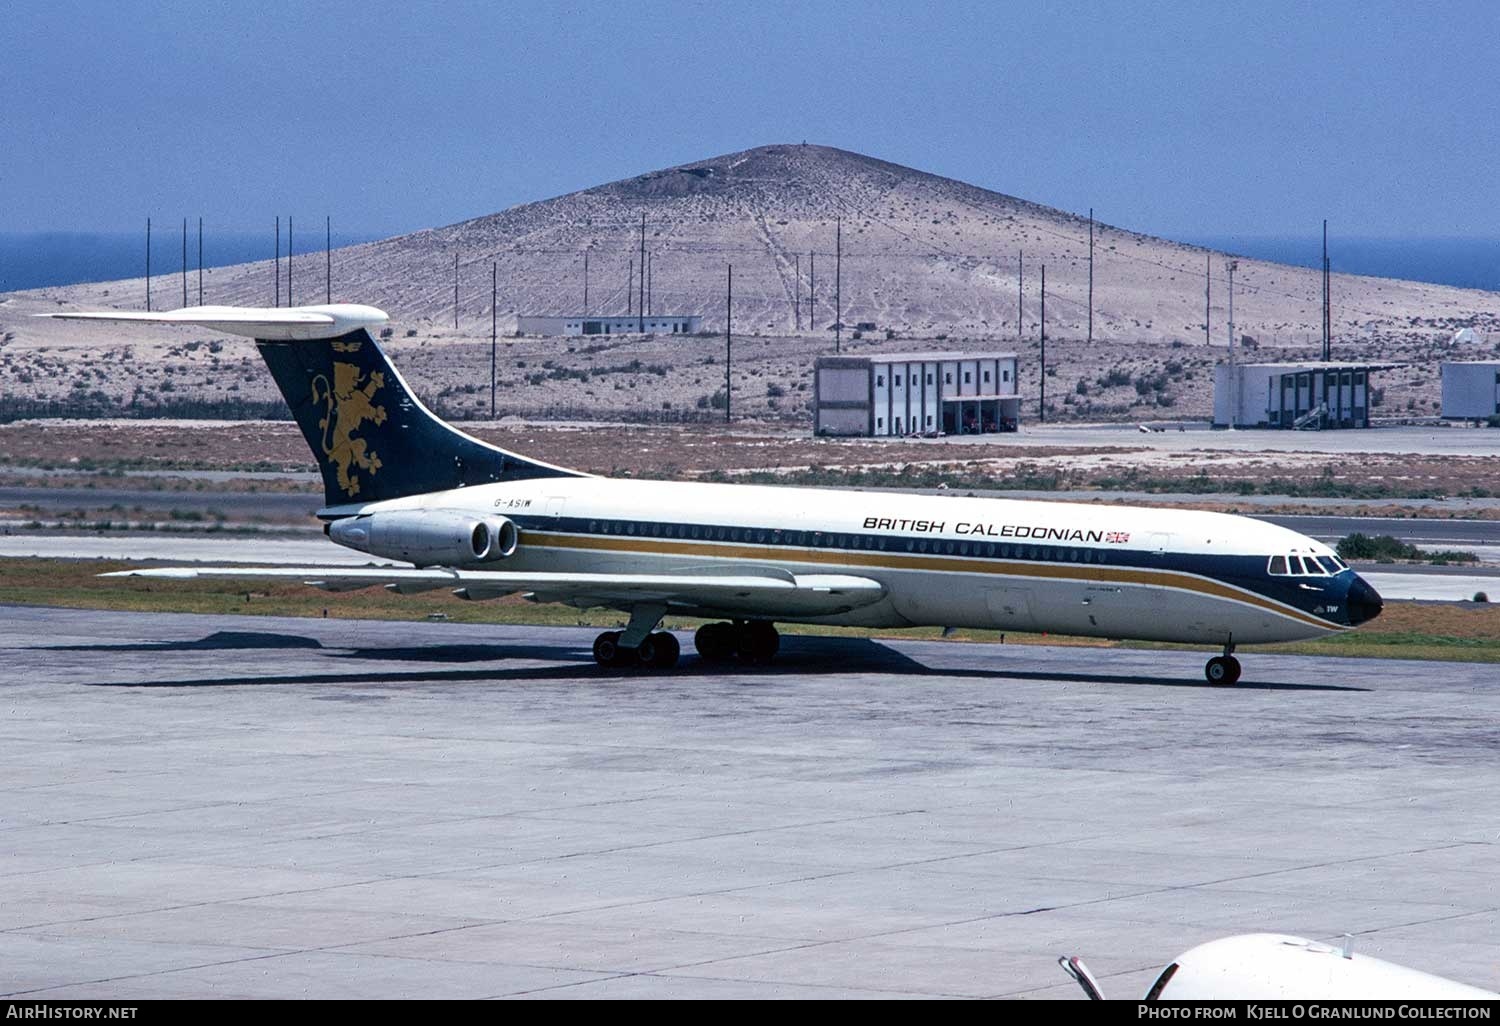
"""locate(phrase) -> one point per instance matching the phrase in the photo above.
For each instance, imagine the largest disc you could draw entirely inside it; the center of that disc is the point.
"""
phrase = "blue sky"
(1182, 119)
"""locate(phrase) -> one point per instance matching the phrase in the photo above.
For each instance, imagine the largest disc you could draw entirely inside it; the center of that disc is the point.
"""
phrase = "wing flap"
(805, 595)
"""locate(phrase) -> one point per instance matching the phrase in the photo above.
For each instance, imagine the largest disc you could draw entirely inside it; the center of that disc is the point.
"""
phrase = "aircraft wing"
(283, 323)
(768, 592)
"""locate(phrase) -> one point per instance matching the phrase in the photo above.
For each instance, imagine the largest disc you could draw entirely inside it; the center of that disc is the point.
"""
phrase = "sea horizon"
(30, 260)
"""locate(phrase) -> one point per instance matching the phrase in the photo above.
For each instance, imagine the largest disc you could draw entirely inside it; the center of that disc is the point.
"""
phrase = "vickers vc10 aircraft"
(403, 485)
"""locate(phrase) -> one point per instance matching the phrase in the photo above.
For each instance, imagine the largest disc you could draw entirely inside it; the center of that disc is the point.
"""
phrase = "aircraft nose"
(1364, 602)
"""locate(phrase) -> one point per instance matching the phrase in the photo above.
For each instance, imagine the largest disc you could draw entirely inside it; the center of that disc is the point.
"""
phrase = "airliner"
(482, 522)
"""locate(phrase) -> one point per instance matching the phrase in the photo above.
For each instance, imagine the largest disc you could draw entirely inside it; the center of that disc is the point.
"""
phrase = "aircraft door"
(1010, 608)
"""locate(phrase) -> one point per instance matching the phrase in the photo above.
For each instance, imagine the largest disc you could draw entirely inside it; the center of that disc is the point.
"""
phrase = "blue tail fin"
(372, 438)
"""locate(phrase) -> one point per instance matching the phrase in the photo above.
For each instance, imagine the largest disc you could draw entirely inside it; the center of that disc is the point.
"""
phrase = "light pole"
(1234, 376)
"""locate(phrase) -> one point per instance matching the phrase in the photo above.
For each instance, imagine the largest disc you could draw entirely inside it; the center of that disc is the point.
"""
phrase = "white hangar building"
(894, 394)
(578, 324)
(1313, 395)
(1471, 389)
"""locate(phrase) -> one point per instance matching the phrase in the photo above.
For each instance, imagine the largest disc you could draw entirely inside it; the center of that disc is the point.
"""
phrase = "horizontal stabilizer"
(281, 324)
(802, 595)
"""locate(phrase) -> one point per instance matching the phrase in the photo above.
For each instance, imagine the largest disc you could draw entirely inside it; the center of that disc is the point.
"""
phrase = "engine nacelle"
(429, 537)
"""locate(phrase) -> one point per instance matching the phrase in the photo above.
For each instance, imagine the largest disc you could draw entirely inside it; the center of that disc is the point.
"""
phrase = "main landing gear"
(1224, 669)
(658, 651)
(640, 643)
(753, 641)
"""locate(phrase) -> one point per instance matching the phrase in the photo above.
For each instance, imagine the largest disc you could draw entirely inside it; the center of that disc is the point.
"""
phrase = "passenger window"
(1278, 566)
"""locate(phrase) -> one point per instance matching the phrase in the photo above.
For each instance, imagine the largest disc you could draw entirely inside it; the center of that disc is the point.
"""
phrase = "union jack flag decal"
(1117, 536)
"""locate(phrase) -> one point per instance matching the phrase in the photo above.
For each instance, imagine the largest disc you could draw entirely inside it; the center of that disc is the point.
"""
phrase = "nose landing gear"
(1224, 669)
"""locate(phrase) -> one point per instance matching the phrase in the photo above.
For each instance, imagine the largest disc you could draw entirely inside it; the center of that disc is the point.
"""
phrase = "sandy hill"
(932, 262)
(922, 255)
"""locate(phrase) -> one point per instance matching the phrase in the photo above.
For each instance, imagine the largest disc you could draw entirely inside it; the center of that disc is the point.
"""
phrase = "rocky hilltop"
(928, 261)
(922, 255)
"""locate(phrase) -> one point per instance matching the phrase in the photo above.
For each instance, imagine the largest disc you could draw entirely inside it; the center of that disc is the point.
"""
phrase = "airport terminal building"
(1315, 395)
(897, 394)
(1471, 389)
(635, 324)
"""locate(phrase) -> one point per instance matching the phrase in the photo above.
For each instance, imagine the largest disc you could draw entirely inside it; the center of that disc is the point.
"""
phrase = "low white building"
(894, 394)
(579, 324)
(1471, 389)
(1294, 395)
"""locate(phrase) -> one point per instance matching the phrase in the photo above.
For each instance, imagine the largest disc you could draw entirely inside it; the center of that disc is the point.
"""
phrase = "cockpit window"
(1305, 566)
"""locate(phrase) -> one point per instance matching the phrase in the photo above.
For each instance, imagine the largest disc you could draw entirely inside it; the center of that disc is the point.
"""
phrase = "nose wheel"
(1223, 670)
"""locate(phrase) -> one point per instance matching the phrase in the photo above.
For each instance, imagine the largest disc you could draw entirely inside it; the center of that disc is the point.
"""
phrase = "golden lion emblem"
(349, 406)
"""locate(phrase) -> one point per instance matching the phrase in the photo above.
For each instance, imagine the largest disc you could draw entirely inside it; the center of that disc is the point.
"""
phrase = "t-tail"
(371, 436)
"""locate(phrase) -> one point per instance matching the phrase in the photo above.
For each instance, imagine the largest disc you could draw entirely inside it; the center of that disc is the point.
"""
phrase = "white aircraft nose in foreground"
(403, 485)
(1278, 967)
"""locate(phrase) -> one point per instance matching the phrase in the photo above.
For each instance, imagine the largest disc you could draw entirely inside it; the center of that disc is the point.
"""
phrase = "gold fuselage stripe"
(900, 561)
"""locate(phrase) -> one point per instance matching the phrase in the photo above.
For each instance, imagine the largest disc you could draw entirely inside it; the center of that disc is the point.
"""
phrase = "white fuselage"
(1067, 568)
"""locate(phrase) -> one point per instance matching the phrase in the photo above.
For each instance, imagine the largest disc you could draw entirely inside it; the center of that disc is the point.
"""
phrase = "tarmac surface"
(262, 807)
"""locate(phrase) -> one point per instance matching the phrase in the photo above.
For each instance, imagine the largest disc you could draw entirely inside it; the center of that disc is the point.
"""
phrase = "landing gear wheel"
(1224, 670)
(666, 649)
(716, 642)
(759, 642)
(607, 648)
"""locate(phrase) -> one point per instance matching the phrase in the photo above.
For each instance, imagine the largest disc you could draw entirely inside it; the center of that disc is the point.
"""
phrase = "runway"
(260, 807)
